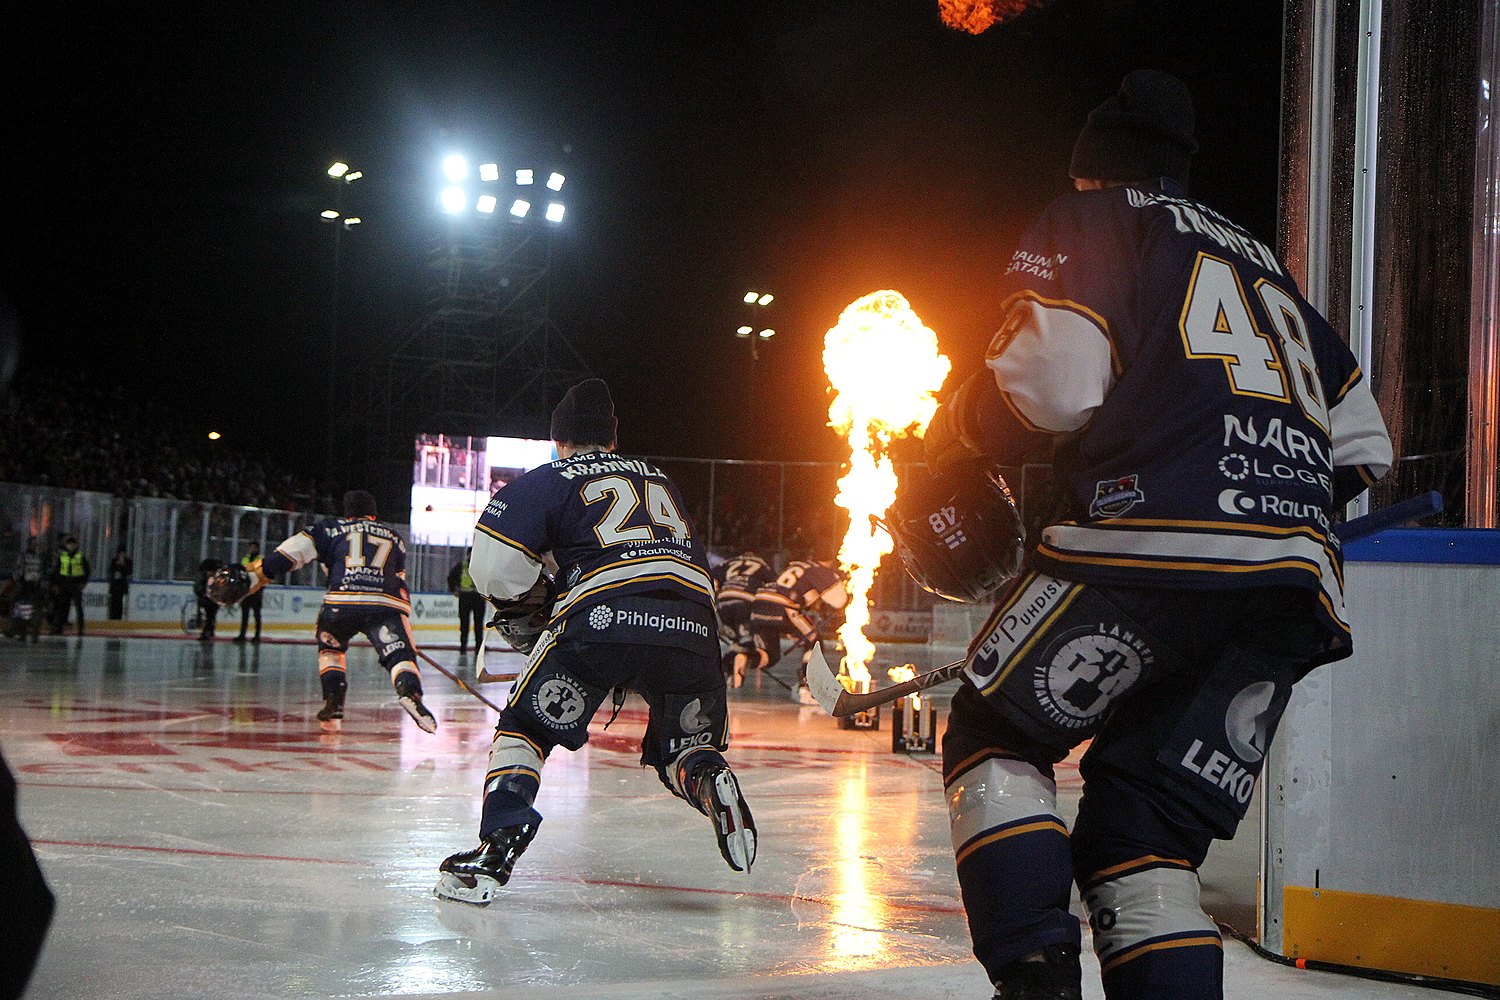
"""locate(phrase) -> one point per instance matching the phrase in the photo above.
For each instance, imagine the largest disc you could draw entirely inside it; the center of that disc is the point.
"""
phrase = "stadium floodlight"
(353, 176)
(525, 177)
(486, 204)
(555, 211)
(744, 331)
(338, 169)
(489, 172)
(353, 220)
(454, 200)
(555, 182)
(765, 299)
(214, 435)
(455, 167)
(520, 208)
(750, 297)
(329, 213)
(767, 334)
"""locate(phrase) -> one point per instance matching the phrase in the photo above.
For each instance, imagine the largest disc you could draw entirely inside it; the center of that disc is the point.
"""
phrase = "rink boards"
(1382, 837)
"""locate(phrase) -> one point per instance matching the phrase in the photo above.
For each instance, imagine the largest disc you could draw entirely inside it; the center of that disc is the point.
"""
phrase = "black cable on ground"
(1379, 975)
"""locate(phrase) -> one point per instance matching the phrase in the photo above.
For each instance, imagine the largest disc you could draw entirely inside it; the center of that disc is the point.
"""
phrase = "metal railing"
(782, 510)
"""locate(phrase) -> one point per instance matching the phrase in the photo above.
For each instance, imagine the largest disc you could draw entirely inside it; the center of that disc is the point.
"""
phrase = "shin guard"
(1152, 937)
(512, 781)
(1014, 868)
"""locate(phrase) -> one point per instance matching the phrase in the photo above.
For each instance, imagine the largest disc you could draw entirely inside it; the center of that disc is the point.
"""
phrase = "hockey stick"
(456, 679)
(839, 702)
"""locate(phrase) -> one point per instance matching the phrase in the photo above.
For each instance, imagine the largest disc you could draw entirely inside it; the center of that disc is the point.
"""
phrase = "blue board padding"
(1471, 546)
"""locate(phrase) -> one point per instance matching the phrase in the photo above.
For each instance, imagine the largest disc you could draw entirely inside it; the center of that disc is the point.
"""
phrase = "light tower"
(482, 356)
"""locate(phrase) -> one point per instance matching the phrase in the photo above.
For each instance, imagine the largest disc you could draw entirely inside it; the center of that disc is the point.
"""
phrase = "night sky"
(164, 175)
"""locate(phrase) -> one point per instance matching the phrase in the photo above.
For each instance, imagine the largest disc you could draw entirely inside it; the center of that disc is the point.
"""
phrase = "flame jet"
(885, 370)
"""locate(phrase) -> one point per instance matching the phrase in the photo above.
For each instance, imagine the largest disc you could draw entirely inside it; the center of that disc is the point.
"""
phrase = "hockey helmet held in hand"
(228, 584)
(522, 620)
(958, 531)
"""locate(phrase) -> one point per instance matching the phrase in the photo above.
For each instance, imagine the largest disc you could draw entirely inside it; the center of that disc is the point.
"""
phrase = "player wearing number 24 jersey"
(634, 611)
(1205, 423)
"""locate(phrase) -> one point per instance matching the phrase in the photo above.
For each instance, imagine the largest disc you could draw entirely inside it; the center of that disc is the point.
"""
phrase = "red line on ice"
(189, 850)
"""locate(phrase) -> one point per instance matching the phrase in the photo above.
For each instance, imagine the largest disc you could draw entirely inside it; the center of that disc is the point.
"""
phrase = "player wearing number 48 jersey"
(1205, 423)
(634, 612)
(365, 561)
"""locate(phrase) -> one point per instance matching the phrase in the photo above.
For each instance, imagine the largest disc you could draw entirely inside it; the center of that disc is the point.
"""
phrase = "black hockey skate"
(1059, 977)
(718, 797)
(332, 712)
(410, 697)
(473, 876)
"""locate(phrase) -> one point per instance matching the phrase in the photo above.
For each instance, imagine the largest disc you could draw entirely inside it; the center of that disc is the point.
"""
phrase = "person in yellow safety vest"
(470, 604)
(70, 575)
(251, 561)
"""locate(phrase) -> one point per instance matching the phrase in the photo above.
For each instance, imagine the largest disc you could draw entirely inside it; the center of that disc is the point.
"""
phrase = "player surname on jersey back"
(1191, 217)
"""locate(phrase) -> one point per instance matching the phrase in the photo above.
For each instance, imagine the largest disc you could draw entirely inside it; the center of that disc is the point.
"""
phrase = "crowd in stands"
(66, 432)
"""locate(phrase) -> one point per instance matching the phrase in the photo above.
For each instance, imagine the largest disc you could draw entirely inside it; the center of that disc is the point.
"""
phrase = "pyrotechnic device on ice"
(228, 585)
(958, 531)
(522, 620)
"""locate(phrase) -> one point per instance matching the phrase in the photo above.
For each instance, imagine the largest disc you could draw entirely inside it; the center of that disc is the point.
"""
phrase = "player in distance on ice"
(365, 562)
(635, 613)
(738, 581)
(788, 605)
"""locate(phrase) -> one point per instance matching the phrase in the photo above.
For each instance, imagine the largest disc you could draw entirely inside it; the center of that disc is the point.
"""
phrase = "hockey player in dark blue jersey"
(365, 562)
(1205, 423)
(738, 581)
(785, 606)
(633, 611)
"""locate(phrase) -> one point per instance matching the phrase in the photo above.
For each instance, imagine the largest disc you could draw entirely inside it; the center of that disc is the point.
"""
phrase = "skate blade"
(331, 725)
(453, 887)
(423, 718)
(736, 835)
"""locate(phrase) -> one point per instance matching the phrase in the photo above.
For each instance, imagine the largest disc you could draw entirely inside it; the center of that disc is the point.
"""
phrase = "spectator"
(71, 575)
(119, 583)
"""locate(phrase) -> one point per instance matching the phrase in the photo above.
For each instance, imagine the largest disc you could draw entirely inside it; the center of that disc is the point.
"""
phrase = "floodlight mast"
(341, 175)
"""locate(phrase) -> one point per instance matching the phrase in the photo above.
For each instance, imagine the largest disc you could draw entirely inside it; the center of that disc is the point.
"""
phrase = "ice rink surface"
(205, 839)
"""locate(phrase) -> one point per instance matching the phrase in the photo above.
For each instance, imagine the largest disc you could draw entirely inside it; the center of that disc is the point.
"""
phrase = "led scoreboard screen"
(453, 478)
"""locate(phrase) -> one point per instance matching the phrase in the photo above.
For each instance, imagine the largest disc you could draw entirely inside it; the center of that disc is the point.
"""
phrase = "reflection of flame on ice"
(974, 16)
(885, 368)
(859, 910)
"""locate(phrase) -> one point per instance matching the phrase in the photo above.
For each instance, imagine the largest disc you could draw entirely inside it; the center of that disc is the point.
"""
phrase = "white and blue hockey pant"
(1180, 693)
(563, 685)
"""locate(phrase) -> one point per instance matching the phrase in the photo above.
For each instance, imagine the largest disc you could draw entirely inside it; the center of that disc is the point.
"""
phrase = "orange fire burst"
(975, 16)
(885, 369)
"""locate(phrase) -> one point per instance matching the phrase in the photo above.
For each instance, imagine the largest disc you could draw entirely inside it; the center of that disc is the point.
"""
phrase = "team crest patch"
(1113, 497)
(559, 702)
(1087, 671)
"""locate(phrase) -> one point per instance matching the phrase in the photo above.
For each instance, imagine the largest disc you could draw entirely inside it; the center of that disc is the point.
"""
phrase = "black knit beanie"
(586, 415)
(1143, 132)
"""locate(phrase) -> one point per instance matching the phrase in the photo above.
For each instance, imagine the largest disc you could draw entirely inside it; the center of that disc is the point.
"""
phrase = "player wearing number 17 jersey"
(634, 611)
(365, 561)
(1205, 423)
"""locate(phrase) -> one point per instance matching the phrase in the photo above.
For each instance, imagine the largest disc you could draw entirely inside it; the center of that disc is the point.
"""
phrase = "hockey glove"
(229, 585)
